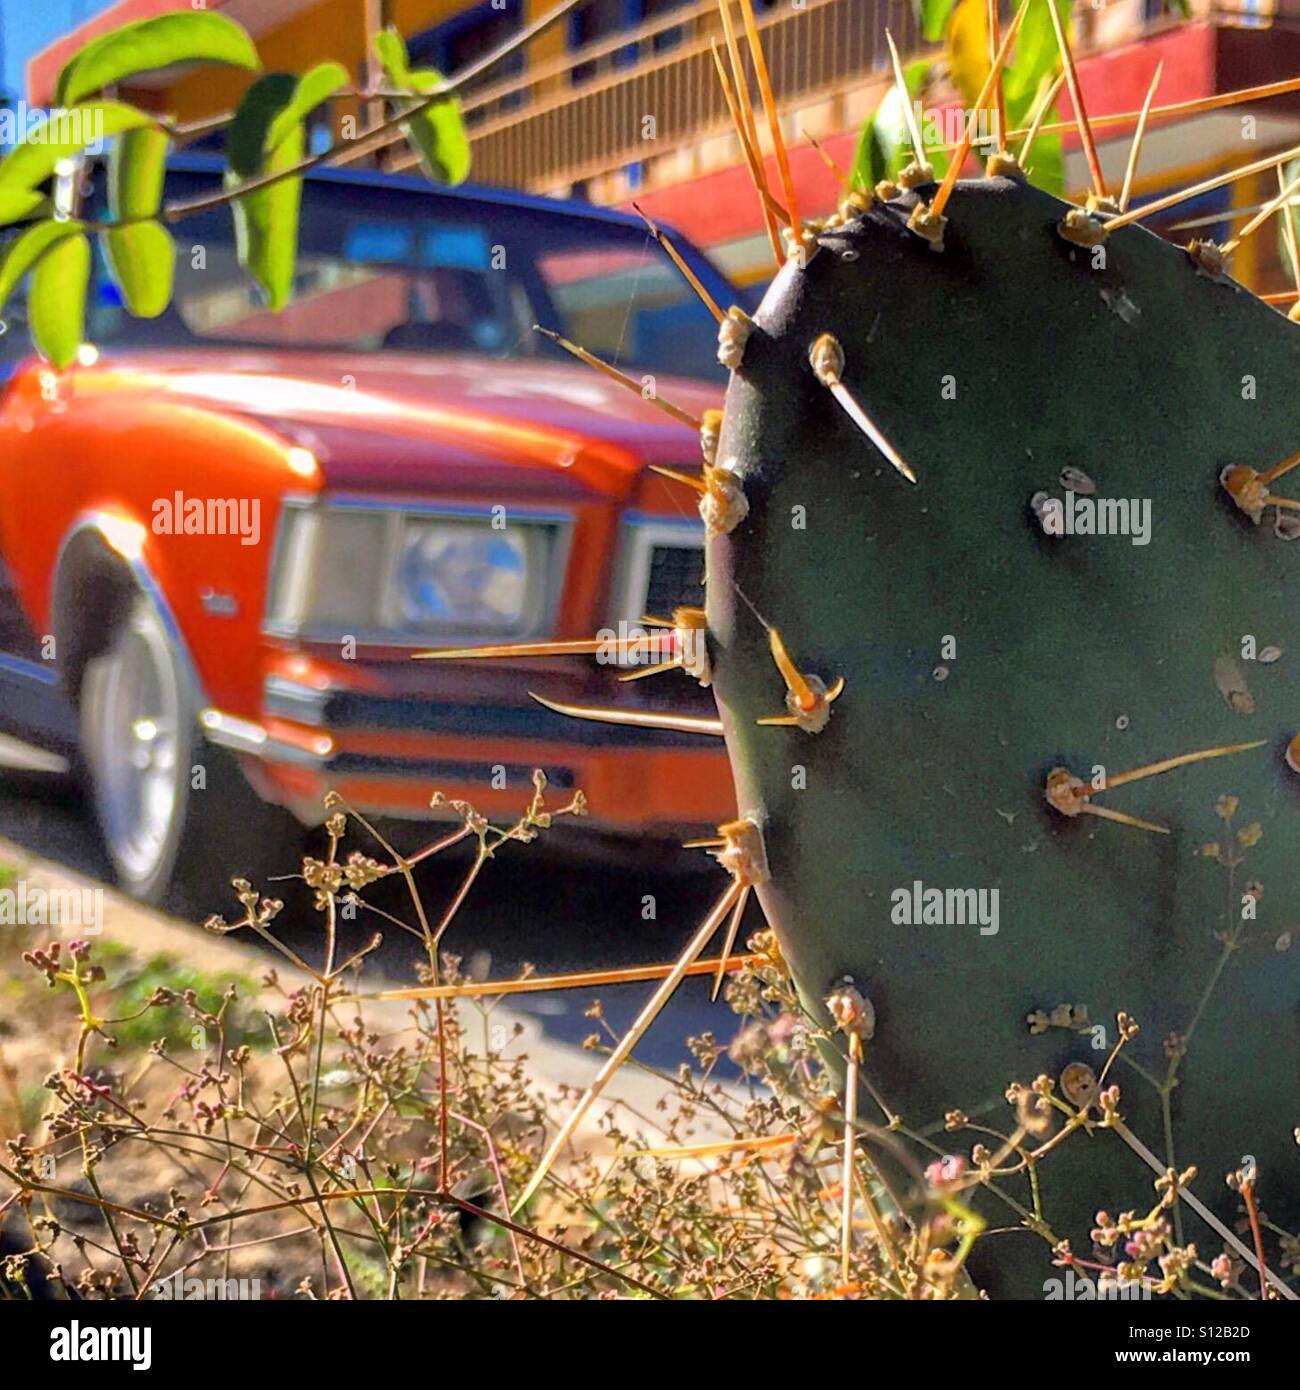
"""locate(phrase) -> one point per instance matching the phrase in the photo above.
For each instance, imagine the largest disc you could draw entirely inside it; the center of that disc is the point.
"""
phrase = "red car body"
(99, 464)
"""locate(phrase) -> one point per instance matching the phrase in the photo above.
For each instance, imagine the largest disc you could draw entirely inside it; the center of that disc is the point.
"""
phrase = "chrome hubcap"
(138, 760)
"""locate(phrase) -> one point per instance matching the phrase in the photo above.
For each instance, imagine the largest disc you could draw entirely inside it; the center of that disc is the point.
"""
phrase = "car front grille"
(676, 579)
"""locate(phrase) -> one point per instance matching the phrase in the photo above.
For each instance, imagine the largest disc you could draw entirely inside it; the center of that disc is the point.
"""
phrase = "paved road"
(527, 906)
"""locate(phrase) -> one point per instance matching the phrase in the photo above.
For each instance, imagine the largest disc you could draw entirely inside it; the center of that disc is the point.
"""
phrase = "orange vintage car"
(224, 532)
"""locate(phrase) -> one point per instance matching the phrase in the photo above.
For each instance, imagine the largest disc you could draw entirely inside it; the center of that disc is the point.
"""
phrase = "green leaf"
(142, 261)
(315, 86)
(56, 303)
(272, 107)
(17, 204)
(69, 132)
(884, 146)
(188, 36)
(1036, 56)
(1047, 161)
(135, 173)
(266, 137)
(437, 135)
(933, 15)
(868, 158)
(391, 48)
(246, 145)
(266, 222)
(26, 249)
(1047, 158)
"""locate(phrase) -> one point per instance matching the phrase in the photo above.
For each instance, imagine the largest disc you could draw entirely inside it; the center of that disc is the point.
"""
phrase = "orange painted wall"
(334, 29)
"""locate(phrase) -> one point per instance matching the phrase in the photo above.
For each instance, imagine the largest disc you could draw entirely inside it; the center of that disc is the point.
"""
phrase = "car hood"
(383, 420)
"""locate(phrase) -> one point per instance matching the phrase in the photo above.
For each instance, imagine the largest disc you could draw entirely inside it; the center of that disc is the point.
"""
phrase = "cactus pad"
(980, 652)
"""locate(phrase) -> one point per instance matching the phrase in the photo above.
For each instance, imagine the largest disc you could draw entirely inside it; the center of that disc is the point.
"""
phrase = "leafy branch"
(266, 162)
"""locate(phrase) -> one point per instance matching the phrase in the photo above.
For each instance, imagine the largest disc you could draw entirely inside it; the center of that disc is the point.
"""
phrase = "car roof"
(414, 183)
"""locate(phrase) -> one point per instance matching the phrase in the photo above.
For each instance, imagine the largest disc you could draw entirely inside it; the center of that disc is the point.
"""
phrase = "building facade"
(621, 100)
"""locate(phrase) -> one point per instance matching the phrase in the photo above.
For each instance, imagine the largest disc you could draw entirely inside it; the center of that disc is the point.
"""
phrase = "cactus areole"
(1001, 674)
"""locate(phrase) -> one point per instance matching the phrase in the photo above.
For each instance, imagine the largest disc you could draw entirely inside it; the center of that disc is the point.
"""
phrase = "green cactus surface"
(980, 653)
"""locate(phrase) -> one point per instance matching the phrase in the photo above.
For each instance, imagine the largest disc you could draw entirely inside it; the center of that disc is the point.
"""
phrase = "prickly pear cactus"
(999, 676)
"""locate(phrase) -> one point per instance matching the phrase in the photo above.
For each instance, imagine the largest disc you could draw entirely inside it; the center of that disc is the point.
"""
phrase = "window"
(666, 38)
(467, 37)
(387, 269)
(627, 304)
(601, 19)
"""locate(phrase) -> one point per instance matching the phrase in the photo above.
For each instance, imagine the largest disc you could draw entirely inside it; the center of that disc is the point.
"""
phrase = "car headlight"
(462, 577)
(392, 575)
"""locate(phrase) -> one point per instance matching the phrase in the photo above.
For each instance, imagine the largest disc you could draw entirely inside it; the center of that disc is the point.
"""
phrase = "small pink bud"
(945, 1171)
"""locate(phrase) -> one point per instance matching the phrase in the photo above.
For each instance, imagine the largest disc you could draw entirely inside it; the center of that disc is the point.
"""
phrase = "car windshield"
(387, 269)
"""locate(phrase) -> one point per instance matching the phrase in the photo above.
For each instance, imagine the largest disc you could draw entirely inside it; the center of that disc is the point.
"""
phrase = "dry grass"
(311, 1142)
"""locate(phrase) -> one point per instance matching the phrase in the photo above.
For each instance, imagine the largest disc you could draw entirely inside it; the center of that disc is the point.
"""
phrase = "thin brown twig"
(1252, 1212)
(339, 1257)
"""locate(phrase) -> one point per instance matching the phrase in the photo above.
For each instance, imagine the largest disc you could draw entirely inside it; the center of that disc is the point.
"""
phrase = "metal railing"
(625, 99)
(653, 90)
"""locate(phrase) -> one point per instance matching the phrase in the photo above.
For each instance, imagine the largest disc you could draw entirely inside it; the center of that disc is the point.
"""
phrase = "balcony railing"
(651, 91)
(631, 97)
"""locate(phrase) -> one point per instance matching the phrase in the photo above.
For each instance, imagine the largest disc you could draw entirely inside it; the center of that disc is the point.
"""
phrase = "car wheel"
(170, 844)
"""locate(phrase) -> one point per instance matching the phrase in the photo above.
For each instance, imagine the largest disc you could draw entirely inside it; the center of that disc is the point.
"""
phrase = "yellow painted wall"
(334, 29)
(411, 16)
(329, 30)
(553, 43)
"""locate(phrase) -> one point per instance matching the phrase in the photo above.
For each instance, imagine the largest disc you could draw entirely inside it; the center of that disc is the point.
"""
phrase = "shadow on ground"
(538, 903)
